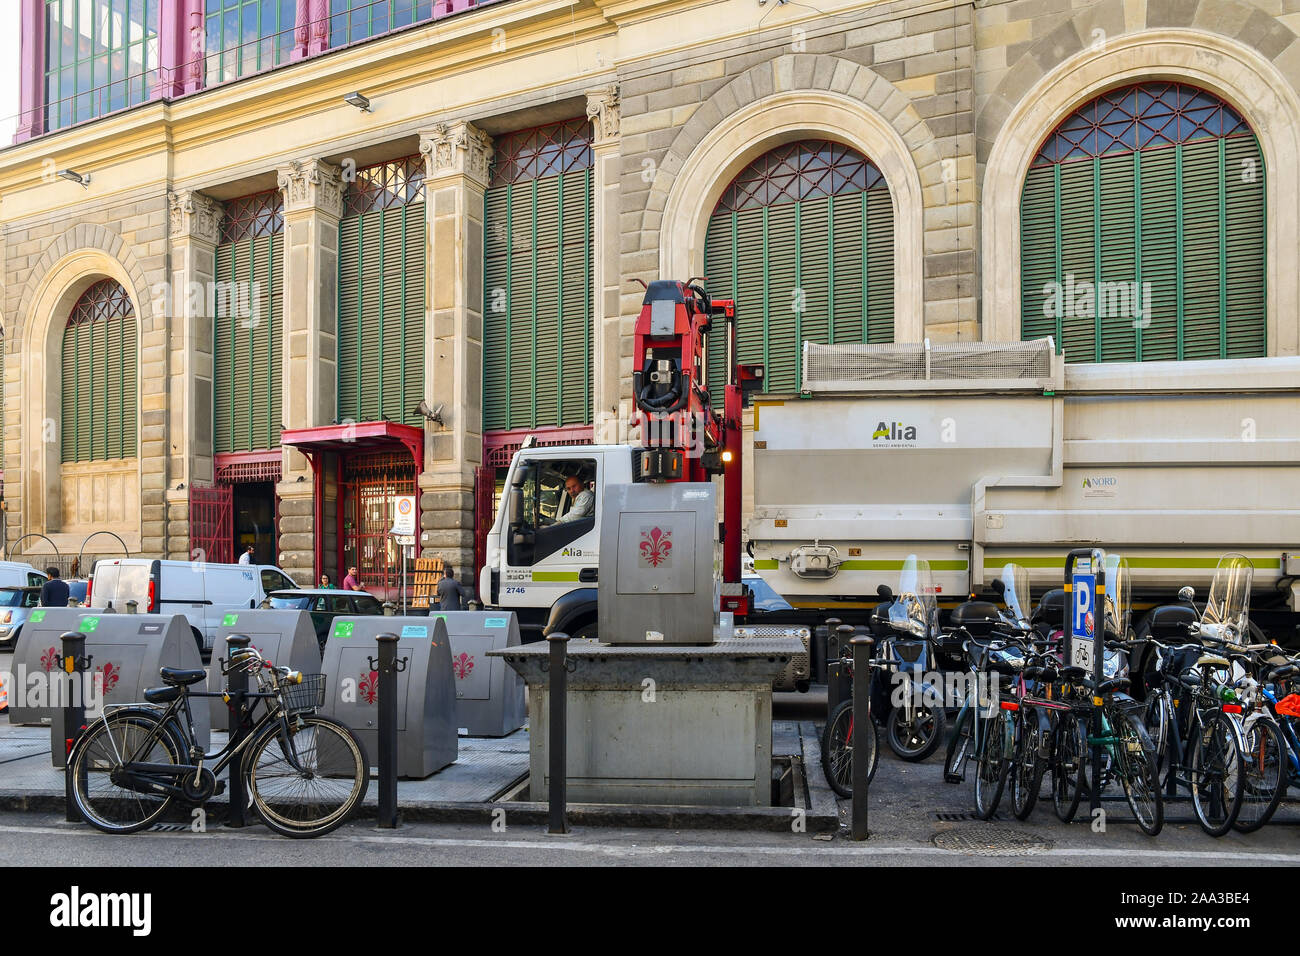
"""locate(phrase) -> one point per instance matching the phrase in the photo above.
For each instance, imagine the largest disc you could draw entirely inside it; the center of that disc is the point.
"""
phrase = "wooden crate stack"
(428, 571)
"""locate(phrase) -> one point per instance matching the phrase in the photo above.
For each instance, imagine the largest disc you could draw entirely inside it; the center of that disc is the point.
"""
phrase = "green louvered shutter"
(577, 296)
(349, 296)
(538, 275)
(719, 267)
(126, 412)
(1171, 234)
(496, 312)
(247, 350)
(1245, 247)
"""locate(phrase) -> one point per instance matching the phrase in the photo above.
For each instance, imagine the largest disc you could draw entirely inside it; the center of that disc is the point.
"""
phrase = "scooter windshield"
(1119, 597)
(1229, 601)
(915, 609)
(1015, 591)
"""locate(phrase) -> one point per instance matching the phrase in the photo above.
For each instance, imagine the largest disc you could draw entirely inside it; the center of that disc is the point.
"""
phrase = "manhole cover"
(991, 841)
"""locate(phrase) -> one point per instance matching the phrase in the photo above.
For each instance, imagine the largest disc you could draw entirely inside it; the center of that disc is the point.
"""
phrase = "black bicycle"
(305, 774)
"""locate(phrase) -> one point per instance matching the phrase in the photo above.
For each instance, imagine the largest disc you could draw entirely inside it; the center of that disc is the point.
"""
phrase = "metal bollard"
(558, 792)
(388, 667)
(73, 602)
(237, 683)
(74, 669)
(861, 719)
(132, 607)
(838, 687)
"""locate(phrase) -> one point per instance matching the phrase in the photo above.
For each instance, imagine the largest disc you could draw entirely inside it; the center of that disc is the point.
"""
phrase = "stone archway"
(765, 108)
(1236, 73)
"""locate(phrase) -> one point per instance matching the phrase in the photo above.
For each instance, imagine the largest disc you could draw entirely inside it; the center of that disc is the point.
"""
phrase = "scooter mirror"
(999, 587)
(884, 592)
(1186, 594)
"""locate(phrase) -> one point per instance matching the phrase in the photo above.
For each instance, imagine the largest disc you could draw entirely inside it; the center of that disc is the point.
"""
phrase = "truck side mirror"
(516, 504)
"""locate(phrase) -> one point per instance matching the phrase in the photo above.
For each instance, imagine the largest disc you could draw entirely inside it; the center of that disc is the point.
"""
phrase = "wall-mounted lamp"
(72, 176)
(360, 102)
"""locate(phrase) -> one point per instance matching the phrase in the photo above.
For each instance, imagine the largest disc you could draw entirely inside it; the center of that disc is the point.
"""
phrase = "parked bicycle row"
(1211, 717)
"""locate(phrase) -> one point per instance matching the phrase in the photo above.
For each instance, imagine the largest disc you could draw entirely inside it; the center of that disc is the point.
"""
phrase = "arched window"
(1142, 230)
(803, 240)
(99, 363)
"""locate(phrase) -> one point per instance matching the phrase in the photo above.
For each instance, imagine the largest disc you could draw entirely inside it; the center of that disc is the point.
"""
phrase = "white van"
(18, 574)
(203, 592)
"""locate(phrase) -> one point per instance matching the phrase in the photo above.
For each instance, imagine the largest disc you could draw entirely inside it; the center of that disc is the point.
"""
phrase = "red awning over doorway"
(362, 437)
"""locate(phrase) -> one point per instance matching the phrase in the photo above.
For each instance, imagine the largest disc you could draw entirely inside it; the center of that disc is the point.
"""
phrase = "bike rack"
(126, 552)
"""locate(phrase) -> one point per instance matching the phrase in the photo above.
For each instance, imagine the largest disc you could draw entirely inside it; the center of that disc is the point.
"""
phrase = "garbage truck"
(972, 456)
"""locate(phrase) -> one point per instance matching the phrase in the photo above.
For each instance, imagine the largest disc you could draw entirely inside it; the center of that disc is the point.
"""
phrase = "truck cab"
(543, 552)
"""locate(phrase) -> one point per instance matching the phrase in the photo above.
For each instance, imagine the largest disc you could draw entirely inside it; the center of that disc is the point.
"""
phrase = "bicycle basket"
(308, 695)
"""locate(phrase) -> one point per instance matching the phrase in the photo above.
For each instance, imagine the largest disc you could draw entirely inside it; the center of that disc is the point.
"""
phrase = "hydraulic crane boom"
(685, 435)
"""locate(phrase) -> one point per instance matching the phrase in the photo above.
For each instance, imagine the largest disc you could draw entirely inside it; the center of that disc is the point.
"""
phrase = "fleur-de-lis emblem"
(462, 665)
(50, 660)
(109, 674)
(369, 687)
(656, 546)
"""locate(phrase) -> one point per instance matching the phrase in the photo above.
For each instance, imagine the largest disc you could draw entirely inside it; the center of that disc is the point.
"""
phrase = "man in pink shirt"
(352, 582)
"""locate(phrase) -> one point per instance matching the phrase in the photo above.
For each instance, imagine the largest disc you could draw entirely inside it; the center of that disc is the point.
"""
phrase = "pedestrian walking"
(247, 556)
(54, 593)
(451, 596)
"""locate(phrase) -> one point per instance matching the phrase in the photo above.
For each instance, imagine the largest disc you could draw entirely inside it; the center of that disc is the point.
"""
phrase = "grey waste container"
(426, 691)
(126, 650)
(286, 638)
(489, 694)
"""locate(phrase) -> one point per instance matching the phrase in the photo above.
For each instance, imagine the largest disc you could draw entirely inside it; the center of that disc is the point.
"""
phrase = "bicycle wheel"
(1027, 769)
(1216, 775)
(916, 739)
(1137, 771)
(1263, 773)
(960, 745)
(1158, 725)
(837, 749)
(310, 782)
(104, 798)
(991, 766)
(1069, 754)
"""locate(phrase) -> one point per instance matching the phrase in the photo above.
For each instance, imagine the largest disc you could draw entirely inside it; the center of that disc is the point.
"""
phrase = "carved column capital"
(603, 111)
(312, 184)
(457, 149)
(192, 215)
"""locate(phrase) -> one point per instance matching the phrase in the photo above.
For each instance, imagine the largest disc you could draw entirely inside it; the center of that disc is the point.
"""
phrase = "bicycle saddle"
(181, 677)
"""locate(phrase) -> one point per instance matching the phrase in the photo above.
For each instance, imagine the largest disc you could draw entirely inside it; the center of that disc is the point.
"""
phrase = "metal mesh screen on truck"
(856, 367)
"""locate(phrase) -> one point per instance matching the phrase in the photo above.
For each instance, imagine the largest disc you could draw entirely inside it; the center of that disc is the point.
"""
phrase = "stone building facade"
(664, 124)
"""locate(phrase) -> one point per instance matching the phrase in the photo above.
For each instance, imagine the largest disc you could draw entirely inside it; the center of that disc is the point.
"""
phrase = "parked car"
(77, 590)
(19, 574)
(325, 604)
(15, 606)
(200, 590)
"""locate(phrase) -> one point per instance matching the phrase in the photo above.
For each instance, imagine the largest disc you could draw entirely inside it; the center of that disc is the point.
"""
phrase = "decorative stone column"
(313, 206)
(613, 349)
(194, 229)
(456, 175)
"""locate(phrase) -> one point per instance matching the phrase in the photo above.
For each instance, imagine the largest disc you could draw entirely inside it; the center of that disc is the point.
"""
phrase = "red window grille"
(550, 150)
(803, 170)
(248, 471)
(399, 182)
(251, 217)
(1138, 117)
(371, 485)
(106, 299)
